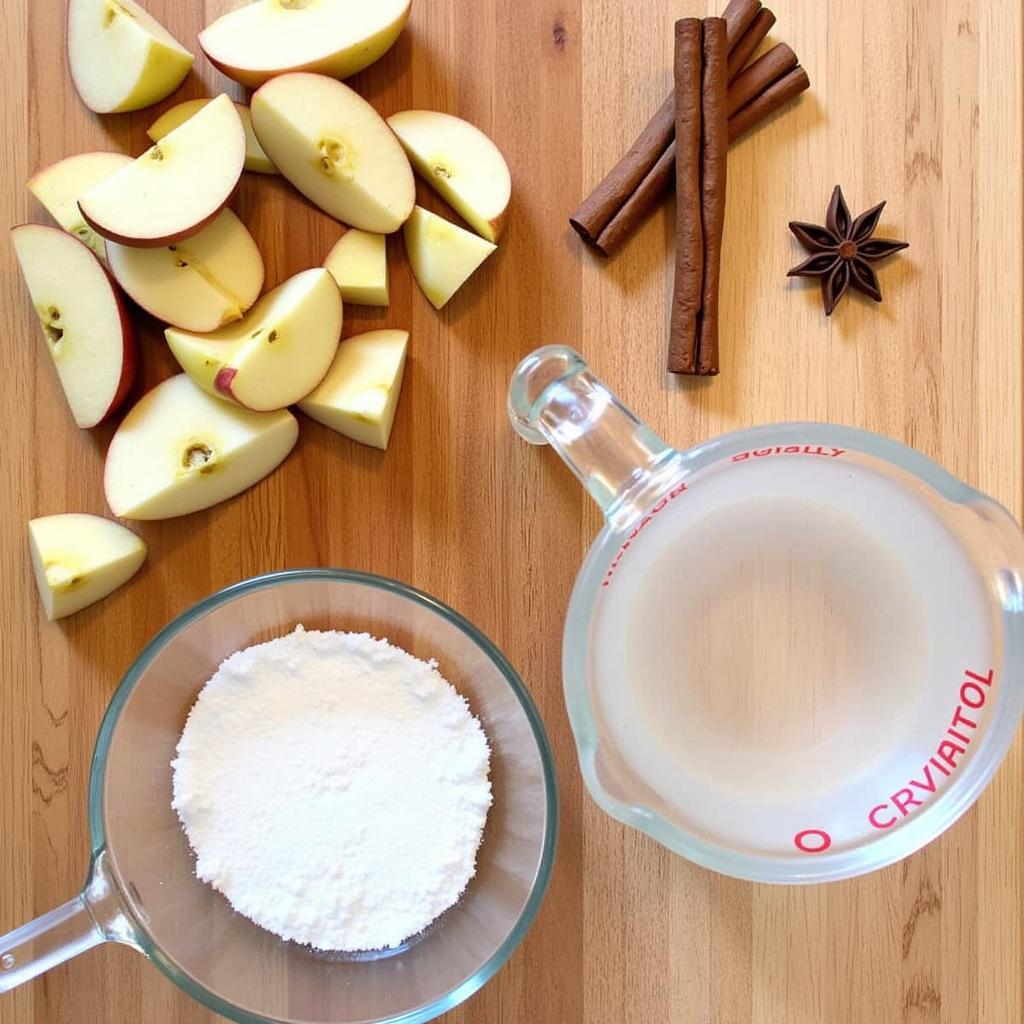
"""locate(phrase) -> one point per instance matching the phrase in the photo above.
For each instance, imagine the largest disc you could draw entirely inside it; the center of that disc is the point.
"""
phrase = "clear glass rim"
(889, 847)
(475, 981)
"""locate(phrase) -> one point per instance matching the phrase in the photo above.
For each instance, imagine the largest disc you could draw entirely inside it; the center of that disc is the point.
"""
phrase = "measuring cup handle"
(555, 399)
(92, 917)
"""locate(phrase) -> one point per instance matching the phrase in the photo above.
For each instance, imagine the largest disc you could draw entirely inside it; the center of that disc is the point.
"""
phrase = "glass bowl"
(142, 890)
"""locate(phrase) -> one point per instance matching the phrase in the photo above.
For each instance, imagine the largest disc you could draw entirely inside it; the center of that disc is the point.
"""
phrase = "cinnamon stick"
(625, 177)
(621, 182)
(763, 72)
(714, 144)
(660, 177)
(775, 96)
(750, 41)
(738, 17)
(686, 294)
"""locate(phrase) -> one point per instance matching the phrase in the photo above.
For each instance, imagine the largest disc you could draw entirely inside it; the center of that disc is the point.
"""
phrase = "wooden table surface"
(915, 102)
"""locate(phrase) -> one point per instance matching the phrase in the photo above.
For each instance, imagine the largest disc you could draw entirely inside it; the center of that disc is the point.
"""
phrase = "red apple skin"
(223, 381)
(156, 243)
(129, 340)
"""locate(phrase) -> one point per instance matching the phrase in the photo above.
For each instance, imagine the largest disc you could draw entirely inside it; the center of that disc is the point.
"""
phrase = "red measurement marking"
(660, 506)
(792, 449)
(812, 840)
(974, 692)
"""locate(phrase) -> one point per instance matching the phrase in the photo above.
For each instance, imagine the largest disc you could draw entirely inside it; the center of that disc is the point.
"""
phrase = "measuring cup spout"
(92, 917)
(555, 399)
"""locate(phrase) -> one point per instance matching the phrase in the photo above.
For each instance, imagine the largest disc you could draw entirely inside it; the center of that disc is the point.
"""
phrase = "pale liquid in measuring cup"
(766, 654)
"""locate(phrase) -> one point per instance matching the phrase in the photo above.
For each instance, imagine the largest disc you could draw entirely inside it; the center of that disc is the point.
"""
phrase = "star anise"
(843, 250)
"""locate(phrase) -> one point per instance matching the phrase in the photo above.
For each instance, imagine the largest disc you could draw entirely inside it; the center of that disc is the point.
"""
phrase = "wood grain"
(916, 102)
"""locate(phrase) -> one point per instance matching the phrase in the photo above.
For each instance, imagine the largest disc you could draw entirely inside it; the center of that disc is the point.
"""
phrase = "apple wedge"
(255, 159)
(359, 395)
(461, 163)
(332, 37)
(60, 186)
(197, 284)
(178, 451)
(121, 57)
(177, 186)
(358, 262)
(277, 353)
(442, 255)
(336, 150)
(79, 559)
(85, 325)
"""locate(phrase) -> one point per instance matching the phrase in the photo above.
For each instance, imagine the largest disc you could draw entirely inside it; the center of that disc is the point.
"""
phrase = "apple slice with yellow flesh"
(178, 451)
(121, 57)
(177, 186)
(197, 284)
(461, 163)
(79, 559)
(442, 255)
(359, 395)
(60, 186)
(336, 150)
(358, 262)
(277, 353)
(85, 325)
(255, 159)
(332, 37)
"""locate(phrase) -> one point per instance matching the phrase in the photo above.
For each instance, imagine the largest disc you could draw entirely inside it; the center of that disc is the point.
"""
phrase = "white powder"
(334, 788)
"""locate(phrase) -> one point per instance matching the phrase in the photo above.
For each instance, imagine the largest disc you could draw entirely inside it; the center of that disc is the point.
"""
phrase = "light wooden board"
(915, 102)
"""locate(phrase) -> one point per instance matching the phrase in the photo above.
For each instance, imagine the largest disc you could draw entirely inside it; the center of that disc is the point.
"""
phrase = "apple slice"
(59, 187)
(461, 163)
(277, 353)
(84, 321)
(255, 159)
(179, 450)
(358, 262)
(79, 559)
(197, 284)
(177, 186)
(333, 37)
(121, 57)
(336, 150)
(442, 255)
(359, 395)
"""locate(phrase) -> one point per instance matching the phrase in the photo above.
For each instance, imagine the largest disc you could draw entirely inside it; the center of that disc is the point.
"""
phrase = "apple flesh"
(461, 163)
(442, 255)
(178, 451)
(359, 395)
(79, 559)
(332, 37)
(277, 353)
(60, 186)
(197, 284)
(255, 159)
(358, 262)
(336, 150)
(121, 57)
(85, 324)
(177, 186)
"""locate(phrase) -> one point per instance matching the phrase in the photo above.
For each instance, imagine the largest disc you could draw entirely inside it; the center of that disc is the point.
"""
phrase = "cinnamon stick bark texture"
(767, 102)
(686, 293)
(738, 17)
(625, 177)
(763, 72)
(750, 41)
(714, 156)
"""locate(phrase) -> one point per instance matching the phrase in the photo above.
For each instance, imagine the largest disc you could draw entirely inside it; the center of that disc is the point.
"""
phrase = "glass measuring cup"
(142, 890)
(793, 653)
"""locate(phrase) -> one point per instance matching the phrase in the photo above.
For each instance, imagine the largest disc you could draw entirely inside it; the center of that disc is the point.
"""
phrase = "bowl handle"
(92, 917)
(555, 399)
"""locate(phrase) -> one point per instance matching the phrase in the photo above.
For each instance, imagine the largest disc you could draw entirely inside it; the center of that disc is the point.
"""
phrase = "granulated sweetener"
(334, 788)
